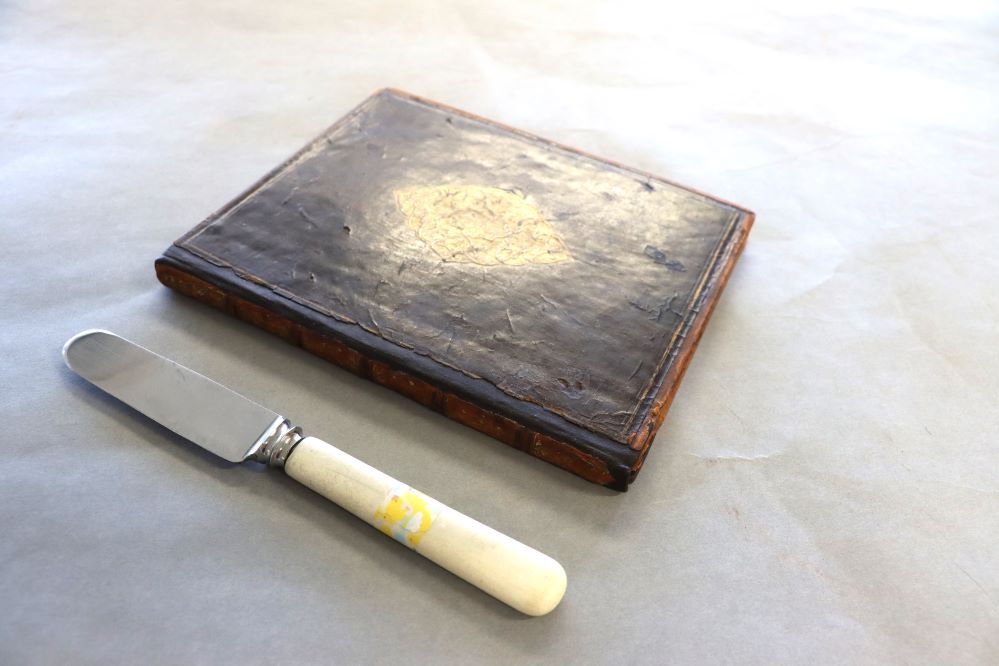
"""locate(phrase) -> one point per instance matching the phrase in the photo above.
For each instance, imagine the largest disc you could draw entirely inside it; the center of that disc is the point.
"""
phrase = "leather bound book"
(538, 294)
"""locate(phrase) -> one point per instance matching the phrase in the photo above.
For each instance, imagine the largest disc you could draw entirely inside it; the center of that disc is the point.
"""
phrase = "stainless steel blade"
(190, 404)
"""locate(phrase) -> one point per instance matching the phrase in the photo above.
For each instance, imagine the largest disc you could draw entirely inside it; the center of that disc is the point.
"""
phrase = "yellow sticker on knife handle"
(406, 514)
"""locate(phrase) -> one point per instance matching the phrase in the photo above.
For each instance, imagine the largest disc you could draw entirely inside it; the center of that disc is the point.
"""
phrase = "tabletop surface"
(824, 489)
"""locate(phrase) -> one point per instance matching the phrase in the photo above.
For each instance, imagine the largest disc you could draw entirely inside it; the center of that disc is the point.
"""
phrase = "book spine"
(508, 431)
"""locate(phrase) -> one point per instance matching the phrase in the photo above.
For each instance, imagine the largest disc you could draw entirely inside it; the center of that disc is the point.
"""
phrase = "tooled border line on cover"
(652, 406)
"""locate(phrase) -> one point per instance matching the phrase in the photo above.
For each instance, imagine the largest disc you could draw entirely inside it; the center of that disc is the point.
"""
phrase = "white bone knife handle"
(514, 573)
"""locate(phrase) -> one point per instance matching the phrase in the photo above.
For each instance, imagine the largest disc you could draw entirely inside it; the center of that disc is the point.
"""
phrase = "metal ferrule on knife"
(275, 443)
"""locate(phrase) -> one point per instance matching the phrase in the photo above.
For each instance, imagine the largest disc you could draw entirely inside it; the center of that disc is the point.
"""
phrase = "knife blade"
(236, 429)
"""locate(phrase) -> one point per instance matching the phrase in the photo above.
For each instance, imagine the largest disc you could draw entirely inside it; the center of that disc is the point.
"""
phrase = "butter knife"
(238, 429)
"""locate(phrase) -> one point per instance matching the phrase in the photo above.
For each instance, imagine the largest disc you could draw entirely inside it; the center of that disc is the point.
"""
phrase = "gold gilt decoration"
(471, 224)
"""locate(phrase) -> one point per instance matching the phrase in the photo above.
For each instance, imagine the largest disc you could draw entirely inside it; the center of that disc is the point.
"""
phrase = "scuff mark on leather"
(658, 256)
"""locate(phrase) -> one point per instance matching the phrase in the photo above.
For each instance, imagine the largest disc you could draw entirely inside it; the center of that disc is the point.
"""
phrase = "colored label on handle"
(406, 514)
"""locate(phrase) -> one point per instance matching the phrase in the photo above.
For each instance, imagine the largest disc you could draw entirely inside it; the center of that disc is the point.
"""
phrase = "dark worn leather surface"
(585, 337)
(538, 284)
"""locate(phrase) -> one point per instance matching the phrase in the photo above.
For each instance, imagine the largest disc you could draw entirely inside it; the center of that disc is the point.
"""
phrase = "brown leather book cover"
(538, 294)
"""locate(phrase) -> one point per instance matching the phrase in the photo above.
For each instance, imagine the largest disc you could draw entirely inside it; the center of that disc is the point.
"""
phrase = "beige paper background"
(824, 490)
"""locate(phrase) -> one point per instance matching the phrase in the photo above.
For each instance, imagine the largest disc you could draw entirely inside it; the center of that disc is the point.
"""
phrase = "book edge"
(607, 465)
(554, 144)
(641, 439)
